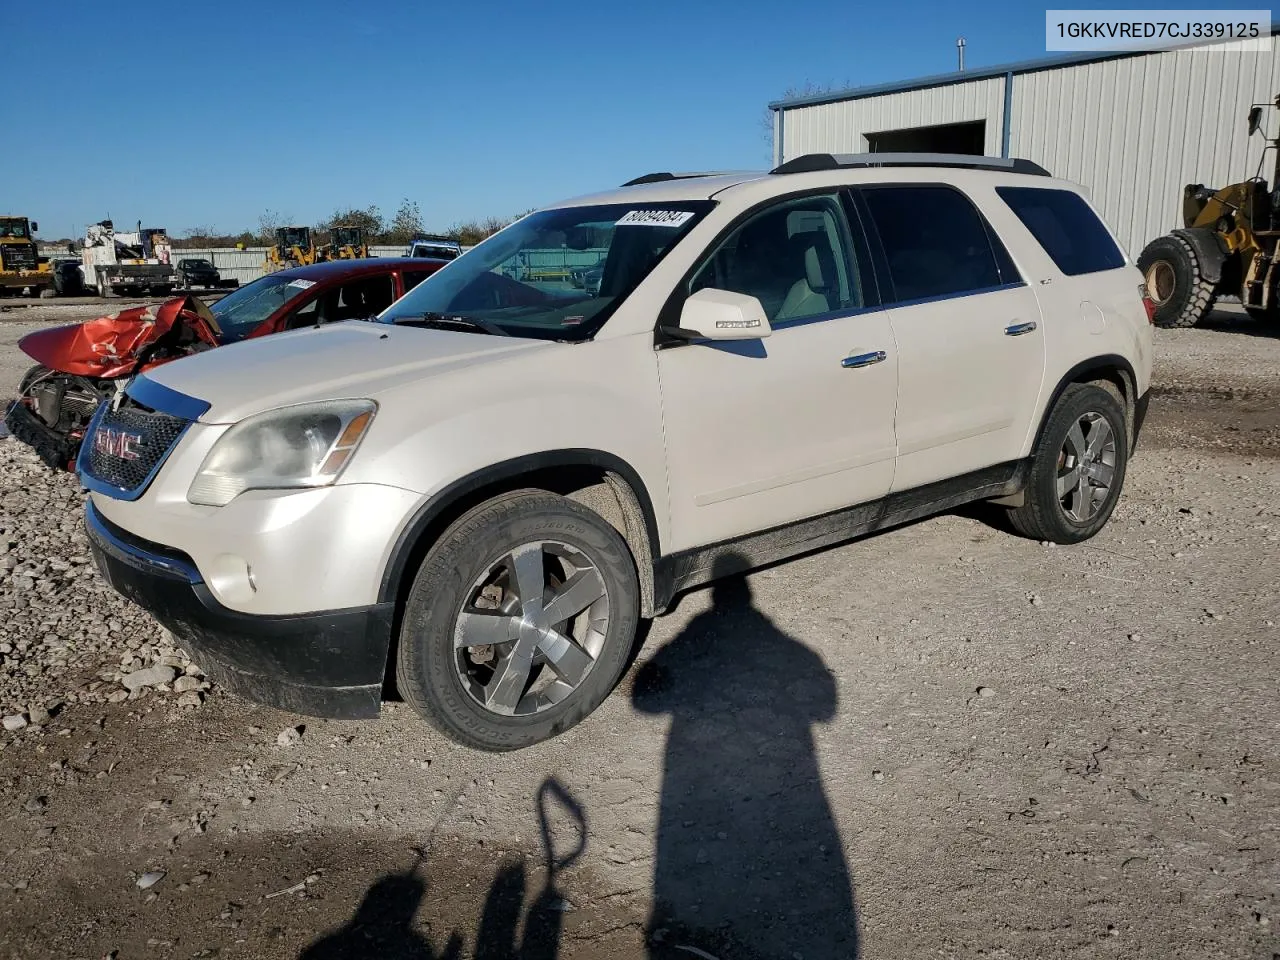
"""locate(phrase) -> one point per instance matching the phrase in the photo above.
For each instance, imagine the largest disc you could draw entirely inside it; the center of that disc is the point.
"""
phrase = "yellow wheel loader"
(293, 248)
(1227, 247)
(20, 263)
(346, 243)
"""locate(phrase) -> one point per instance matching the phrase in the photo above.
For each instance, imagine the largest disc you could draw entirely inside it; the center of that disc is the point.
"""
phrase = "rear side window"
(412, 278)
(1063, 224)
(936, 243)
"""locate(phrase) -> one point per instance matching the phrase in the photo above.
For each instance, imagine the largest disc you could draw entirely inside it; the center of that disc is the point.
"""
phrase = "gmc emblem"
(117, 443)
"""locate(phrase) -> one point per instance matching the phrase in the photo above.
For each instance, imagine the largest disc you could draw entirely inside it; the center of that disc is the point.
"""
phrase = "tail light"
(1147, 304)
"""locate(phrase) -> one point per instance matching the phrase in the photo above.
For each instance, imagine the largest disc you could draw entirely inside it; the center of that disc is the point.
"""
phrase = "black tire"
(428, 671)
(1043, 515)
(1175, 282)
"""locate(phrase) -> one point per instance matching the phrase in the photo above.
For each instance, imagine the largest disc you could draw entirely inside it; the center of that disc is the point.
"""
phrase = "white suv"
(492, 482)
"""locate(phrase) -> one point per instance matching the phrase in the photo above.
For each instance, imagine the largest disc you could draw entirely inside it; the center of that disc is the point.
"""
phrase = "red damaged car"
(80, 365)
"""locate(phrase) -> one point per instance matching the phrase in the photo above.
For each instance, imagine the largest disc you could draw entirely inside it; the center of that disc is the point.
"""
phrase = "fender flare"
(1106, 363)
(1208, 248)
(397, 566)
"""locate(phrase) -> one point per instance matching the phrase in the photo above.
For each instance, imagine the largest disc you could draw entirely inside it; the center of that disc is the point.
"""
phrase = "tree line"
(405, 224)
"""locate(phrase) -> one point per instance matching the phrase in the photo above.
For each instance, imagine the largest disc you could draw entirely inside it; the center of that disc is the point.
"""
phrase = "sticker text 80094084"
(655, 218)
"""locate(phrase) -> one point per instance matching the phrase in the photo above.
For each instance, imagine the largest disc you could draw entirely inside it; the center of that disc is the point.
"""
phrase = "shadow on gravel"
(749, 863)
(1241, 323)
(384, 924)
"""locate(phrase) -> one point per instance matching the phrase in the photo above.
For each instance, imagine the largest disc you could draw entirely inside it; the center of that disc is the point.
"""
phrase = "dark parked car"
(198, 273)
(66, 277)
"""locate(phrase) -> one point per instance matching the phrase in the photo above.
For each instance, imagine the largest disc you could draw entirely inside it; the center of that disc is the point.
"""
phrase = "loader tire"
(1175, 282)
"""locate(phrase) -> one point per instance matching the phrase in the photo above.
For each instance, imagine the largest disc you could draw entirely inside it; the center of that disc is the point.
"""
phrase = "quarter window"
(936, 243)
(793, 257)
(1063, 224)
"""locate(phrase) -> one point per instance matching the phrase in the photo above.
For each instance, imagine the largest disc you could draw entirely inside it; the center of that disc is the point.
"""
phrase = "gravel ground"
(943, 741)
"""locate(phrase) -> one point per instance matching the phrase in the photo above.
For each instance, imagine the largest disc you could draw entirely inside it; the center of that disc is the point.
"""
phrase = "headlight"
(303, 446)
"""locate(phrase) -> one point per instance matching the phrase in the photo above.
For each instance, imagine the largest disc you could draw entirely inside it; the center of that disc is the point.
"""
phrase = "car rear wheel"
(1078, 468)
(519, 622)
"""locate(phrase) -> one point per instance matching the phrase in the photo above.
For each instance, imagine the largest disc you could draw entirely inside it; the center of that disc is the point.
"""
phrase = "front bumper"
(325, 664)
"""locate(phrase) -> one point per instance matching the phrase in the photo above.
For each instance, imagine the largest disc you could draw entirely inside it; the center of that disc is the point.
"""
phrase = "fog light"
(230, 578)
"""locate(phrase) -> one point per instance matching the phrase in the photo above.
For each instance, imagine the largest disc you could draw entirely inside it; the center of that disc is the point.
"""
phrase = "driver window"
(305, 316)
(793, 257)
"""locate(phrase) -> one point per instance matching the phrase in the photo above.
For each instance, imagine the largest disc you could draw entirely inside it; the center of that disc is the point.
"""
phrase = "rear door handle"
(863, 359)
(1018, 329)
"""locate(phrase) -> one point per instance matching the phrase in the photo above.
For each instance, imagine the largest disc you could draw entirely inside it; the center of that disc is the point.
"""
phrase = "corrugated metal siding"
(243, 265)
(1135, 131)
(842, 127)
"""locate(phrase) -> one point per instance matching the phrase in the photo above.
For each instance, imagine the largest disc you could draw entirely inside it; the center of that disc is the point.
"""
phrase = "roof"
(686, 188)
(333, 269)
(979, 73)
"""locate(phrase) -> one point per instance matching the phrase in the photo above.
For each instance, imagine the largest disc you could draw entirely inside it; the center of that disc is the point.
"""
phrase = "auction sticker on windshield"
(655, 218)
(302, 284)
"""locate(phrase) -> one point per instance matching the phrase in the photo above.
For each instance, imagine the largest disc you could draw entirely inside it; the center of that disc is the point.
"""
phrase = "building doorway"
(967, 138)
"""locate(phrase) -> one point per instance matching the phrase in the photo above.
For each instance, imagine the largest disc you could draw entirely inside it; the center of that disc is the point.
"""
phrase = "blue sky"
(207, 114)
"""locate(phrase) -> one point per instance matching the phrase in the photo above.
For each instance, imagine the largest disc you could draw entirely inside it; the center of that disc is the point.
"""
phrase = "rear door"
(971, 352)
(1089, 292)
(763, 432)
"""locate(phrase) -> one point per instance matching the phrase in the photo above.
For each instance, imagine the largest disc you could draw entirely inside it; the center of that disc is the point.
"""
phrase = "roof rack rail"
(664, 176)
(811, 162)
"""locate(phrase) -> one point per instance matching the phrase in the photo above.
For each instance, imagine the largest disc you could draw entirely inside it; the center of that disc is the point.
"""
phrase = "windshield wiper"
(451, 321)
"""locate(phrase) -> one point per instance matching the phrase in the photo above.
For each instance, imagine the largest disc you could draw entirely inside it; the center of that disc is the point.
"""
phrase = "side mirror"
(1255, 120)
(712, 314)
(35, 227)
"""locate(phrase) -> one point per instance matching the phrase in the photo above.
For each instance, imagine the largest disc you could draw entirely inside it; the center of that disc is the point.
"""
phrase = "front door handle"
(1018, 329)
(863, 359)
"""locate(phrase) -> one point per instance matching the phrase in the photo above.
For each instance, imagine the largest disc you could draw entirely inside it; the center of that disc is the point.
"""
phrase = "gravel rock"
(38, 716)
(288, 737)
(190, 698)
(63, 626)
(14, 722)
(986, 692)
(185, 683)
(150, 879)
(150, 677)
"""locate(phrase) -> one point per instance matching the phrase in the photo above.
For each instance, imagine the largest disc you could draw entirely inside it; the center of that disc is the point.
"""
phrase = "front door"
(763, 432)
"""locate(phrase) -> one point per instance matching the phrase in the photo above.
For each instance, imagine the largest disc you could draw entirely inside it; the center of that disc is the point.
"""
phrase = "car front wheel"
(1077, 469)
(519, 622)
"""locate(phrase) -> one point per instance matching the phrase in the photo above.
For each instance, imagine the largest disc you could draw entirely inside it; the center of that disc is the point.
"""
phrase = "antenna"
(960, 52)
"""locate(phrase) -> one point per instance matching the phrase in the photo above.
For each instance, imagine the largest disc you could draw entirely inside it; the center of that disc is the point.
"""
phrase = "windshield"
(13, 228)
(436, 253)
(198, 264)
(530, 279)
(239, 313)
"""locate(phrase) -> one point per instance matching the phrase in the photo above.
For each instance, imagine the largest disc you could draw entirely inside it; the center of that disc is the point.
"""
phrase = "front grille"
(18, 256)
(126, 445)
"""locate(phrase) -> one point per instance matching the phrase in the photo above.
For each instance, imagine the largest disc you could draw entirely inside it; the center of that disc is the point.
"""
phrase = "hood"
(354, 359)
(112, 346)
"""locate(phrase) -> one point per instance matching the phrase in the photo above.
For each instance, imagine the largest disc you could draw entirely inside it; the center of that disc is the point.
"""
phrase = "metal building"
(1133, 129)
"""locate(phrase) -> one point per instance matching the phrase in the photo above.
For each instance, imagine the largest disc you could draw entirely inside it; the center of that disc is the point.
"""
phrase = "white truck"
(127, 263)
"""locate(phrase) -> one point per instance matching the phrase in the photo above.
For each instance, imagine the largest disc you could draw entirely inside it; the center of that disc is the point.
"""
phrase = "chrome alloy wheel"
(531, 628)
(1086, 467)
